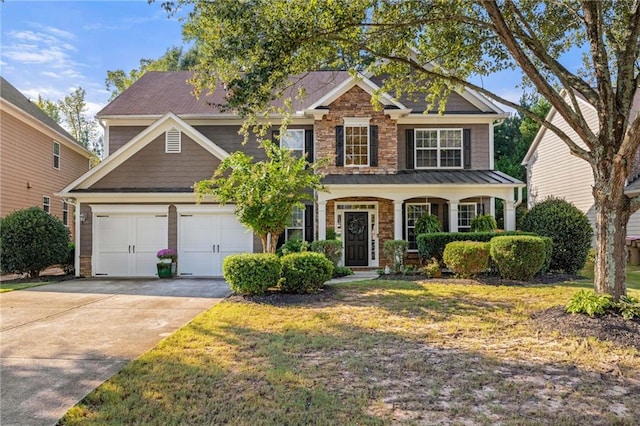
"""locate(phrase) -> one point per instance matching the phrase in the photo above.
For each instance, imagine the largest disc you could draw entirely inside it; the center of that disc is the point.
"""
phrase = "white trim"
(475, 208)
(135, 197)
(437, 149)
(361, 81)
(406, 217)
(356, 121)
(340, 212)
(76, 260)
(65, 203)
(58, 155)
(420, 118)
(283, 136)
(491, 146)
(301, 228)
(136, 144)
(353, 123)
(204, 209)
(46, 203)
(129, 209)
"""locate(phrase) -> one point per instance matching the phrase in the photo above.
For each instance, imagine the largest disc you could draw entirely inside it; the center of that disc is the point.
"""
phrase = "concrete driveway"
(60, 341)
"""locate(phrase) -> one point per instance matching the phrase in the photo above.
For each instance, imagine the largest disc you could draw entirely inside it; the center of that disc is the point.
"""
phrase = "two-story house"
(37, 158)
(388, 164)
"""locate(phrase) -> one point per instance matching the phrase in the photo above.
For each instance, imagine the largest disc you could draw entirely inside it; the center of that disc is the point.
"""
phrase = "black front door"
(356, 244)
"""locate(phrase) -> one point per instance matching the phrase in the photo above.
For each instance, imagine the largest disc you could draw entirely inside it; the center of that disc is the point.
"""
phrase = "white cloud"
(57, 32)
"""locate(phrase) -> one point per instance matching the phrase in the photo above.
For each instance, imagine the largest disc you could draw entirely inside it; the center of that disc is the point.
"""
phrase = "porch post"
(322, 220)
(397, 220)
(492, 207)
(76, 237)
(453, 215)
(509, 216)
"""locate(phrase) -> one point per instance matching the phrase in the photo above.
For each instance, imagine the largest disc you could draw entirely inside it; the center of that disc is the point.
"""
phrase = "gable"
(152, 168)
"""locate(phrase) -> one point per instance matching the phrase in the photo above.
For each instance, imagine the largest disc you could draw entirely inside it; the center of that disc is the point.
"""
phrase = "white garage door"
(127, 238)
(206, 235)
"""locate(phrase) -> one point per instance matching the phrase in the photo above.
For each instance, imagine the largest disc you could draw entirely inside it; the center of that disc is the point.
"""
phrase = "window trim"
(360, 122)
(65, 213)
(46, 204)
(475, 208)
(438, 148)
(301, 228)
(282, 137)
(56, 156)
(406, 219)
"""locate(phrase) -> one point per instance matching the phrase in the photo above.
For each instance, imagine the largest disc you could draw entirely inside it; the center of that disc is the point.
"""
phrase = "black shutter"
(275, 137)
(434, 210)
(339, 145)
(373, 146)
(309, 220)
(308, 145)
(410, 149)
(466, 148)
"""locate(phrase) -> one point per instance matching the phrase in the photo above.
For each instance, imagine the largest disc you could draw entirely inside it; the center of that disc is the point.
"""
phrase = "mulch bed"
(277, 298)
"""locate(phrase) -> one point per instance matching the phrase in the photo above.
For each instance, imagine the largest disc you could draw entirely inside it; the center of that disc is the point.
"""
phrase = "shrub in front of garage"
(305, 272)
(251, 273)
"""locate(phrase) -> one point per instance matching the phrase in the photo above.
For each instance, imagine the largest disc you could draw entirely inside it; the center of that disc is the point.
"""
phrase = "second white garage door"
(206, 235)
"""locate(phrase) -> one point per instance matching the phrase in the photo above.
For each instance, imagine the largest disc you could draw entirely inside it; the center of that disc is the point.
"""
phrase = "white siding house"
(553, 171)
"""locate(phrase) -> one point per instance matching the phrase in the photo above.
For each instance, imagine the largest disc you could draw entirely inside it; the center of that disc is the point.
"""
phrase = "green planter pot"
(166, 270)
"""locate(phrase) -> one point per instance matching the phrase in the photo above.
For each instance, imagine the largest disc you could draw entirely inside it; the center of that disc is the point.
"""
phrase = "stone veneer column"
(453, 215)
(397, 220)
(322, 220)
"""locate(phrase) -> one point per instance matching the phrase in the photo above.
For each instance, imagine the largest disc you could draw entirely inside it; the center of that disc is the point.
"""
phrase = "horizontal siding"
(479, 143)
(120, 135)
(26, 159)
(633, 228)
(151, 167)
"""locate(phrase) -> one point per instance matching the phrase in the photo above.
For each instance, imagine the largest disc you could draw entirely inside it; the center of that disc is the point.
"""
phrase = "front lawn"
(10, 286)
(376, 352)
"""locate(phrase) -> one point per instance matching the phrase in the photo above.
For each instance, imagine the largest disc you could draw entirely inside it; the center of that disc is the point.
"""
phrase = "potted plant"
(166, 263)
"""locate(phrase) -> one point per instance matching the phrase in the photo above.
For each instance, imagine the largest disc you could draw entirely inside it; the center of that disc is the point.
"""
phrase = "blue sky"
(52, 47)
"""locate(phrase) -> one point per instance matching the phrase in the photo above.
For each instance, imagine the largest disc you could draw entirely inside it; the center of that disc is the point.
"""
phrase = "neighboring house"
(387, 166)
(553, 171)
(37, 158)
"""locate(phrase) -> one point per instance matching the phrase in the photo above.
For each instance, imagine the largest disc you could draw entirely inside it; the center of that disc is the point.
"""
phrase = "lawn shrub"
(394, 251)
(518, 257)
(629, 307)
(483, 223)
(304, 272)
(548, 255)
(588, 302)
(341, 271)
(70, 260)
(569, 229)
(432, 269)
(294, 245)
(466, 258)
(432, 245)
(32, 240)
(428, 224)
(332, 249)
(251, 273)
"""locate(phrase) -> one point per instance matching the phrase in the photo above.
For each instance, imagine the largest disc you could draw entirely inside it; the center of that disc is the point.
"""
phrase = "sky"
(49, 48)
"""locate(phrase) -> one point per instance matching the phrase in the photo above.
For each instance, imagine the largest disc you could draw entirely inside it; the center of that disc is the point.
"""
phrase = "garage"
(127, 238)
(206, 235)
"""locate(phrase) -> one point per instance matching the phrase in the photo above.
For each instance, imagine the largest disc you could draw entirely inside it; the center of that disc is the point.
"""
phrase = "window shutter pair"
(373, 146)
(466, 149)
(308, 142)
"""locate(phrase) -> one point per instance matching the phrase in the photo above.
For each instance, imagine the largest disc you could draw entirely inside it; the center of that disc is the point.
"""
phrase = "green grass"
(633, 275)
(5, 287)
(376, 352)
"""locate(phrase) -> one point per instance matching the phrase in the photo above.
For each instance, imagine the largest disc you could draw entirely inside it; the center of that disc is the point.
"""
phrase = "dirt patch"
(609, 327)
(40, 279)
(277, 298)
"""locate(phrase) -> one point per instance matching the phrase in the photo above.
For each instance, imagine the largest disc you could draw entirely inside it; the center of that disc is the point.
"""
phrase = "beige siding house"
(37, 158)
(553, 171)
(386, 166)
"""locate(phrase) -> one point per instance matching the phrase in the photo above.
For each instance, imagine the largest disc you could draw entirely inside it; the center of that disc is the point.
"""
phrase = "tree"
(174, 59)
(49, 107)
(253, 48)
(73, 109)
(32, 240)
(264, 192)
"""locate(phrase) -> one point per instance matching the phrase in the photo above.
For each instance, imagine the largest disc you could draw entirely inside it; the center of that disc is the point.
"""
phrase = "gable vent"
(173, 139)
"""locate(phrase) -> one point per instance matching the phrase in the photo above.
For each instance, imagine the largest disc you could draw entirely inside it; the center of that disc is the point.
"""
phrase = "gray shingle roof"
(12, 95)
(426, 177)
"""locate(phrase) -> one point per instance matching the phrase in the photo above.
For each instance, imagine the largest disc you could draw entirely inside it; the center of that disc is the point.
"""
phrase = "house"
(387, 166)
(37, 158)
(553, 171)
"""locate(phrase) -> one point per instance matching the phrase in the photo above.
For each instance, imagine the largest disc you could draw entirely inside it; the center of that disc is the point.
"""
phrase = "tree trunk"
(612, 214)
(263, 239)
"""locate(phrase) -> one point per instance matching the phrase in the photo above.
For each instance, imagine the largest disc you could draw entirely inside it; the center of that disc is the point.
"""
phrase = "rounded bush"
(251, 273)
(466, 258)
(569, 229)
(304, 272)
(483, 223)
(518, 257)
(332, 249)
(31, 241)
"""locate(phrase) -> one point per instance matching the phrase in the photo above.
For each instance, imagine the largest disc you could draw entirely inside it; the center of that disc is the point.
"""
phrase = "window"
(46, 204)
(413, 211)
(466, 213)
(173, 141)
(65, 213)
(56, 155)
(356, 141)
(295, 230)
(438, 148)
(293, 140)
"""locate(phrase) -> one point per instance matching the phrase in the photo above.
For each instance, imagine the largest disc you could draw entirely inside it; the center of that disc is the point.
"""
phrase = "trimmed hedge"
(569, 229)
(518, 257)
(251, 273)
(304, 272)
(432, 245)
(332, 249)
(466, 258)
(548, 255)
